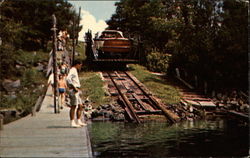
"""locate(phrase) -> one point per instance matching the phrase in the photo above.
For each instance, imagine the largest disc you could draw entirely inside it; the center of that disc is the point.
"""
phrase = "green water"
(155, 139)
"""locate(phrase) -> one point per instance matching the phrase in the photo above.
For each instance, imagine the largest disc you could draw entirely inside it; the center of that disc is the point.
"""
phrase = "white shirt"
(72, 78)
(51, 78)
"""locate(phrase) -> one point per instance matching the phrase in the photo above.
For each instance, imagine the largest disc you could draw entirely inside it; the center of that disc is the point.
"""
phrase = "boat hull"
(113, 45)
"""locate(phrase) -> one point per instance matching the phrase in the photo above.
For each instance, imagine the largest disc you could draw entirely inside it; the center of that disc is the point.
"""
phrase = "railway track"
(135, 98)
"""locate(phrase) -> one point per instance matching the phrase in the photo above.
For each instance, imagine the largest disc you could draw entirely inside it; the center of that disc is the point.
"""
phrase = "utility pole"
(73, 42)
(54, 62)
(78, 25)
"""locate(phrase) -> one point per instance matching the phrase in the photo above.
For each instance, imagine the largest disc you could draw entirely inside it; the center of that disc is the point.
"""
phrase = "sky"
(94, 14)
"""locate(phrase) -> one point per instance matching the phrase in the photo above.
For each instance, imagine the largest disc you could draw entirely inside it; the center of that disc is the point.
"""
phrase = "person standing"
(51, 82)
(74, 91)
(62, 89)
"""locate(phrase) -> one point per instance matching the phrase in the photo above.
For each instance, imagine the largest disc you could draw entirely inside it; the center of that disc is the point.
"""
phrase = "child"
(62, 88)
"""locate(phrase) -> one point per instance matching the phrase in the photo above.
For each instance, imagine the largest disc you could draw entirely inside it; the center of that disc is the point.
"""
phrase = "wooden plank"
(138, 83)
(207, 104)
(139, 101)
(238, 114)
(145, 112)
(126, 109)
(126, 101)
(192, 102)
(196, 99)
(169, 114)
(172, 117)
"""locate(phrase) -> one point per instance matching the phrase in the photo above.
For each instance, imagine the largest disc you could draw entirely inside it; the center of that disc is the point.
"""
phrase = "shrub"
(157, 61)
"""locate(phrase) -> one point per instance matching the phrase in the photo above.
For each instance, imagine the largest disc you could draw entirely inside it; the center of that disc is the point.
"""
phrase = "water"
(155, 139)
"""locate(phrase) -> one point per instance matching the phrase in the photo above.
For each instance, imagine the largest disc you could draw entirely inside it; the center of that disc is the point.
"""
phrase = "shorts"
(74, 98)
(61, 90)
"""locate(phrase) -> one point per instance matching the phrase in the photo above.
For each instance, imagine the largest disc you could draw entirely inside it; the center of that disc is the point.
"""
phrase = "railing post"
(73, 42)
(54, 63)
(1, 122)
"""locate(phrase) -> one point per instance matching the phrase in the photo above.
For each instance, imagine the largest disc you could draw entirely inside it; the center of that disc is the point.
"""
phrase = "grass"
(92, 87)
(31, 57)
(159, 86)
(31, 81)
(25, 100)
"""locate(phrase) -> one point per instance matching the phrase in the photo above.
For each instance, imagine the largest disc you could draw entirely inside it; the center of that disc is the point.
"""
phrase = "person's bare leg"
(79, 115)
(79, 111)
(72, 112)
(63, 99)
(72, 116)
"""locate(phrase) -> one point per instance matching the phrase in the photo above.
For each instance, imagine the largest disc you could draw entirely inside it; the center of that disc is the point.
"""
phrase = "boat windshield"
(111, 35)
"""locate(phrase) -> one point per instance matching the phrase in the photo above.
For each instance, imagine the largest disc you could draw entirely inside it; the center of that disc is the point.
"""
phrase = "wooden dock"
(45, 135)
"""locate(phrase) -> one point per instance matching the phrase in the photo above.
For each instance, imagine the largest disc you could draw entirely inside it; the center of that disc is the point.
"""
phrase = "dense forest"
(26, 25)
(202, 38)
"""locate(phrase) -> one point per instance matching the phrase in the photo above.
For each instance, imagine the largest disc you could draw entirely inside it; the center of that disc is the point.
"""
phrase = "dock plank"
(45, 135)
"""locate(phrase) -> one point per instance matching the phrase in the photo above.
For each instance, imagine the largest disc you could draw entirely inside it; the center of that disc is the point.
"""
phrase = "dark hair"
(77, 61)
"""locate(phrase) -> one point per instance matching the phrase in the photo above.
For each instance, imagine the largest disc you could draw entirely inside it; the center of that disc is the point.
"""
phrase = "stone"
(12, 96)
(18, 66)
(103, 112)
(99, 108)
(19, 62)
(88, 114)
(118, 117)
(40, 67)
(10, 85)
(109, 114)
(95, 113)
(105, 106)
(219, 96)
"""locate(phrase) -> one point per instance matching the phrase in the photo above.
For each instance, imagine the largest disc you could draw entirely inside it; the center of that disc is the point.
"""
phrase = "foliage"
(28, 23)
(7, 57)
(24, 101)
(158, 62)
(207, 38)
(31, 57)
(157, 85)
(32, 77)
(80, 48)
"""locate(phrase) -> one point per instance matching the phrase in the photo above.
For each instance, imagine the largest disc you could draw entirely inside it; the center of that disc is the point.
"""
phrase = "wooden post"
(185, 74)
(54, 61)
(177, 72)
(73, 42)
(196, 81)
(1, 122)
(205, 87)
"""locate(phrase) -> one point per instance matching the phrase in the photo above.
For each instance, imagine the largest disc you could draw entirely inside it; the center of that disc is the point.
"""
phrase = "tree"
(35, 19)
(207, 38)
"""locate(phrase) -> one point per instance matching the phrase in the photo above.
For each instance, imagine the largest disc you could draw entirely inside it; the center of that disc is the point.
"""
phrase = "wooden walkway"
(45, 135)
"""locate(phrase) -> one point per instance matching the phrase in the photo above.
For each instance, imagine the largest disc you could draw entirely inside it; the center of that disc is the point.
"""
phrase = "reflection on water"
(154, 139)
